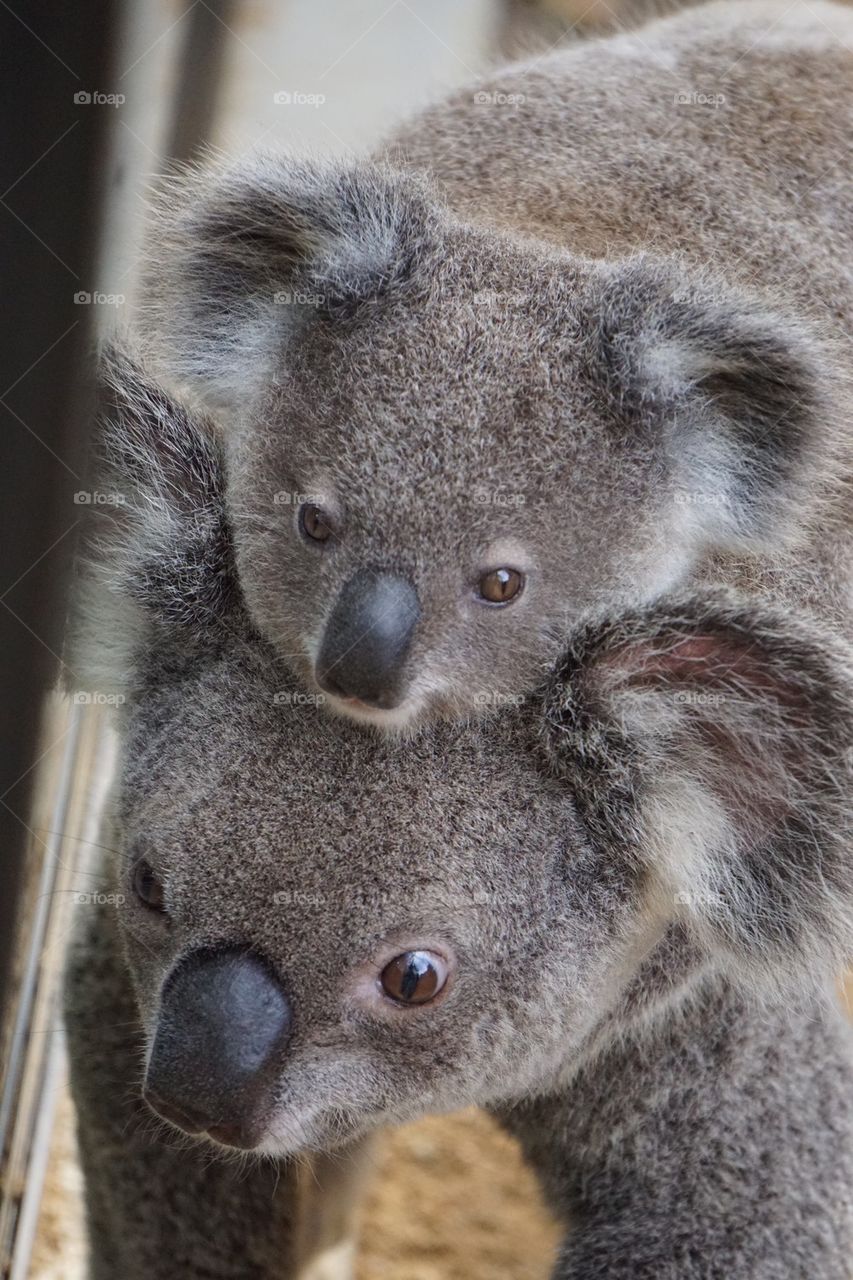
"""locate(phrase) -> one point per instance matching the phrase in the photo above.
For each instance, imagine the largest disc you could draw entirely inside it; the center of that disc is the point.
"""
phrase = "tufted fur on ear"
(245, 255)
(156, 555)
(745, 404)
(712, 739)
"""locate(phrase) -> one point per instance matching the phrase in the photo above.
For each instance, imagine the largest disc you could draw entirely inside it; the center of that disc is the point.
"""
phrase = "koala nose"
(367, 638)
(223, 1024)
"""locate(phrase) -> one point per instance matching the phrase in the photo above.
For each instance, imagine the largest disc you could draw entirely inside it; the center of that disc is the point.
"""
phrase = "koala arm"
(159, 1206)
(713, 1145)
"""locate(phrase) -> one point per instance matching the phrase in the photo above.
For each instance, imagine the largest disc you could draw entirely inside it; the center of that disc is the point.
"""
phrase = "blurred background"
(102, 98)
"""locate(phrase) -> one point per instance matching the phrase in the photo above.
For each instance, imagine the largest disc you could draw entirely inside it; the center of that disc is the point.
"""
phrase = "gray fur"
(628, 866)
(599, 332)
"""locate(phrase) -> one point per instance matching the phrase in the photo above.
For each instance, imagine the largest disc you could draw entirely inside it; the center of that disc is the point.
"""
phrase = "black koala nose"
(367, 638)
(224, 1022)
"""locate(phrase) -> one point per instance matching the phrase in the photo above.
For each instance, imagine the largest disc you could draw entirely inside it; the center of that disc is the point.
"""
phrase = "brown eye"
(315, 523)
(501, 585)
(146, 886)
(415, 977)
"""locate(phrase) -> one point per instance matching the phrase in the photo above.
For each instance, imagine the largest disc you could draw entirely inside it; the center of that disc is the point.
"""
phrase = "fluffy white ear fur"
(746, 407)
(155, 553)
(715, 739)
(242, 256)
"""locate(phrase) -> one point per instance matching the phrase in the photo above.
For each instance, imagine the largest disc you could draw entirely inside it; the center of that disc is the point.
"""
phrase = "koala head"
(448, 446)
(329, 930)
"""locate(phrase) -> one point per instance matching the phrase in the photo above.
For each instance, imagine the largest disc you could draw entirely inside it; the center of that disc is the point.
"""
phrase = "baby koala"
(578, 914)
(577, 337)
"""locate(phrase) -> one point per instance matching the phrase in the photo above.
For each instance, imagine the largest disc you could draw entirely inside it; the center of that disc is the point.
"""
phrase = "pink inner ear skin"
(693, 657)
(695, 647)
(715, 662)
(702, 660)
(743, 716)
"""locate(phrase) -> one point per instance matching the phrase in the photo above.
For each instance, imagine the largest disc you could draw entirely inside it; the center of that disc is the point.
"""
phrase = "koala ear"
(713, 739)
(245, 256)
(156, 549)
(742, 398)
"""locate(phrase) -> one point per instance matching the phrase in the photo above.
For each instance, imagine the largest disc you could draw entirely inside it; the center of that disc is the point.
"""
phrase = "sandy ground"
(478, 1212)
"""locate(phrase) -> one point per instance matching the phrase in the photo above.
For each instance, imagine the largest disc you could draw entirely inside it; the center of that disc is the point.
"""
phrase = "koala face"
(330, 929)
(447, 447)
(315, 958)
(422, 555)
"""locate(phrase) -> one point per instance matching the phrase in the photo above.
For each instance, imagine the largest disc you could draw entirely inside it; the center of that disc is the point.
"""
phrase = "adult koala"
(610, 915)
(578, 337)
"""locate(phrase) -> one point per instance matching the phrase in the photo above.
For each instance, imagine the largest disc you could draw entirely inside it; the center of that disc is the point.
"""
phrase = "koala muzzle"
(367, 638)
(223, 1025)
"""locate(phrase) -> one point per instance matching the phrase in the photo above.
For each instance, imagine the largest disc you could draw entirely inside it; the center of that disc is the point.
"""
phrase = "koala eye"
(415, 977)
(147, 887)
(500, 586)
(315, 523)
